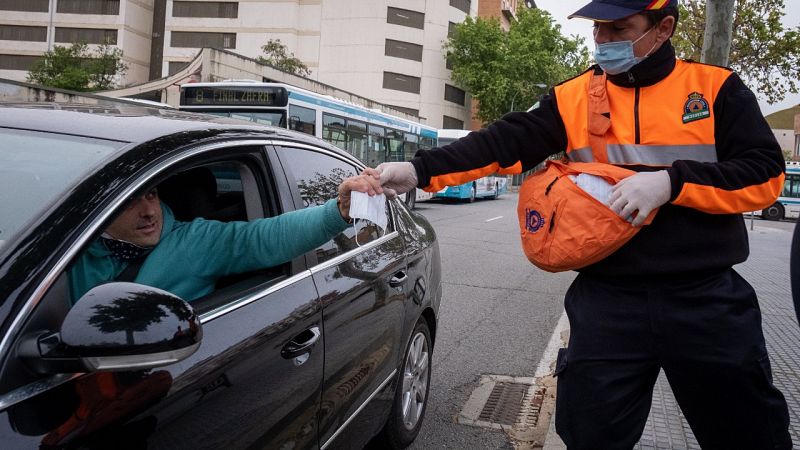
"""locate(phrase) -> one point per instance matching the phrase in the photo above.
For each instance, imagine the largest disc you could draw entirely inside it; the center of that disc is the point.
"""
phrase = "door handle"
(301, 343)
(398, 278)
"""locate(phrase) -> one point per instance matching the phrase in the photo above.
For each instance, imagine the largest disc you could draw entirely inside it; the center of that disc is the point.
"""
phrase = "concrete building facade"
(389, 51)
(28, 28)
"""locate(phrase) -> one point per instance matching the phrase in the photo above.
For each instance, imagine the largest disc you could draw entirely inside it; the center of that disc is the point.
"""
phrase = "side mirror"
(117, 326)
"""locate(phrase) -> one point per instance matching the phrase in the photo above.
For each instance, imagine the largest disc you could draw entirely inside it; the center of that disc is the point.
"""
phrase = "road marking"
(547, 363)
(494, 218)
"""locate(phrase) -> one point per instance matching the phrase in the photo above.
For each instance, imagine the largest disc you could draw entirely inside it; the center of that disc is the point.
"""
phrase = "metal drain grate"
(504, 403)
(529, 414)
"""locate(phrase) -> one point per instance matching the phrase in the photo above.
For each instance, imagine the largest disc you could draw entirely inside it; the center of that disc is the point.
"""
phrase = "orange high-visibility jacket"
(699, 122)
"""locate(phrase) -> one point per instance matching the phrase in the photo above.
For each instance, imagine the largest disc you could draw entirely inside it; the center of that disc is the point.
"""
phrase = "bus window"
(411, 145)
(357, 139)
(276, 119)
(395, 145)
(791, 187)
(333, 130)
(426, 143)
(302, 119)
(377, 146)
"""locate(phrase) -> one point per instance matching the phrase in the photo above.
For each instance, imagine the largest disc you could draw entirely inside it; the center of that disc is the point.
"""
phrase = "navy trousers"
(704, 331)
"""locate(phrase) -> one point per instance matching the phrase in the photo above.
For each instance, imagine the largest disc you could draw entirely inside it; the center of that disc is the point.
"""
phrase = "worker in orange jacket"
(668, 299)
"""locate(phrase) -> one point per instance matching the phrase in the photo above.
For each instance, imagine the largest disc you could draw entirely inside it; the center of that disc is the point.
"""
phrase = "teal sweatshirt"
(191, 256)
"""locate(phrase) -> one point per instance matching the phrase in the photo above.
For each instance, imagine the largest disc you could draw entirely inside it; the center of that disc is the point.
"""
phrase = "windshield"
(276, 119)
(37, 167)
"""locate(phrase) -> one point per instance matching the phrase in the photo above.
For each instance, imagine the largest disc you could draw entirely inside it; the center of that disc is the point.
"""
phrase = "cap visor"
(602, 12)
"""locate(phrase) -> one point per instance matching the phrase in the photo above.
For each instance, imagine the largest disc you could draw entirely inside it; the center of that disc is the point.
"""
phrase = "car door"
(362, 283)
(255, 380)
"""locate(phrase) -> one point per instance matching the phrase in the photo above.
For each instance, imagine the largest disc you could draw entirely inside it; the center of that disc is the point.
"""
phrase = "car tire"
(411, 394)
(774, 212)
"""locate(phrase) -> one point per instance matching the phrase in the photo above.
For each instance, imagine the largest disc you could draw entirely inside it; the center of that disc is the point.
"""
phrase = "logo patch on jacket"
(533, 220)
(695, 108)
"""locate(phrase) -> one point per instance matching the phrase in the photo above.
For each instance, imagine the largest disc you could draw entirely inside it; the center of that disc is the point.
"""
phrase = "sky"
(560, 9)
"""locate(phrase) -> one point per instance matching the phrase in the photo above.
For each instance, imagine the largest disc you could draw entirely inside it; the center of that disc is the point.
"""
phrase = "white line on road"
(494, 218)
(547, 363)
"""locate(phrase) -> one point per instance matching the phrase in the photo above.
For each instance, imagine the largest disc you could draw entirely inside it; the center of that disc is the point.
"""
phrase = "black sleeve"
(516, 142)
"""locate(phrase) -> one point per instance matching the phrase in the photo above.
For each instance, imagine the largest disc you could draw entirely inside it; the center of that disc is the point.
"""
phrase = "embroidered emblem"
(533, 220)
(695, 108)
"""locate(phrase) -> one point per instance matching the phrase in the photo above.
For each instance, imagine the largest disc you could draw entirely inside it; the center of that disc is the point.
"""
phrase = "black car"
(326, 351)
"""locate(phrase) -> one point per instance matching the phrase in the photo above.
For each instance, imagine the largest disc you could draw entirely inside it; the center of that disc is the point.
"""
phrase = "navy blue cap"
(608, 10)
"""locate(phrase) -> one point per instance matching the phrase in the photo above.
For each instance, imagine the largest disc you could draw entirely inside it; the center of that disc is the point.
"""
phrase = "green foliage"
(765, 55)
(510, 70)
(79, 69)
(277, 55)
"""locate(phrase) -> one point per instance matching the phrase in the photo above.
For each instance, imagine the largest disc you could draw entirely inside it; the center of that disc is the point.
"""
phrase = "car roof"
(134, 123)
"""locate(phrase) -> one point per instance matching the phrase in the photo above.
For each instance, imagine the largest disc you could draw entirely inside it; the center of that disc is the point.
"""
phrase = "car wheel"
(774, 212)
(471, 198)
(411, 394)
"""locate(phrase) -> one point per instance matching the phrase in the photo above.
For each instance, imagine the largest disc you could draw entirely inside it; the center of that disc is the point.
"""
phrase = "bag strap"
(129, 273)
(599, 115)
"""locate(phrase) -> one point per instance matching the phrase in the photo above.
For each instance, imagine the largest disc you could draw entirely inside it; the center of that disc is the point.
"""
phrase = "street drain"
(504, 403)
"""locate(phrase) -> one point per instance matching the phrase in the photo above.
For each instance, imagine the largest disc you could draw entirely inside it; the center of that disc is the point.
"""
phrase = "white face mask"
(366, 207)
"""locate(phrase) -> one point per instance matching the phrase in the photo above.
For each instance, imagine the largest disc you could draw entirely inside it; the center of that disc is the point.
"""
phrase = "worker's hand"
(640, 194)
(360, 183)
(395, 177)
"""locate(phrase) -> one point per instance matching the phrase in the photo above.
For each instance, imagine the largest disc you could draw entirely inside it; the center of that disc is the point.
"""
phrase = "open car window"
(318, 175)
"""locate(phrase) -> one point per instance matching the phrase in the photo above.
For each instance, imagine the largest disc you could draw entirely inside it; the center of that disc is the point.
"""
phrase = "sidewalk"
(767, 270)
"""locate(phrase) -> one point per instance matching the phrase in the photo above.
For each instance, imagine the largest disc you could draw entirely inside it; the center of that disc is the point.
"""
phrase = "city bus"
(368, 134)
(491, 186)
(788, 204)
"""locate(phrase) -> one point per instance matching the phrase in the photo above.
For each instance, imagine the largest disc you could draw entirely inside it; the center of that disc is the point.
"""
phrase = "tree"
(505, 70)
(765, 55)
(277, 55)
(719, 28)
(79, 69)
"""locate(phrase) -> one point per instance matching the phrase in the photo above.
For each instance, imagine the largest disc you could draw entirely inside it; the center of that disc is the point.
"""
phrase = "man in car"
(145, 244)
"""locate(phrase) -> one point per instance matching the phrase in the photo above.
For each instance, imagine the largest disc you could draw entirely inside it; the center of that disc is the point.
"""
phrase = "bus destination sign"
(234, 96)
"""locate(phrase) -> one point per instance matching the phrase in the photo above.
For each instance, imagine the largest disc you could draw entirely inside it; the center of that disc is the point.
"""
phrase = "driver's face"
(140, 223)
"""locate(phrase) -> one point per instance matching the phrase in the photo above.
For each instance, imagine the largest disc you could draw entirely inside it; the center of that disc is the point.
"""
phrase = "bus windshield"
(274, 118)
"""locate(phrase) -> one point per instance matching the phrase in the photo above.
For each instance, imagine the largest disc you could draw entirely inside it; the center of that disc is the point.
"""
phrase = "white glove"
(397, 177)
(641, 193)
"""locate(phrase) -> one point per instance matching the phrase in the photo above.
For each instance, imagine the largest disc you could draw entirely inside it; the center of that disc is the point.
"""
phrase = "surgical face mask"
(366, 207)
(617, 57)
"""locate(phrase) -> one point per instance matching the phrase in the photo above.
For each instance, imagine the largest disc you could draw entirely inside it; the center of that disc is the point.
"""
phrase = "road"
(498, 312)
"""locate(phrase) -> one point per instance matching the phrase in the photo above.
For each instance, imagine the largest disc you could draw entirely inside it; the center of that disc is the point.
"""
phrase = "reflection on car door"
(362, 288)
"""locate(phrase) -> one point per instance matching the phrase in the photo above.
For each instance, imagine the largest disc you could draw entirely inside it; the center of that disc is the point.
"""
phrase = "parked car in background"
(325, 351)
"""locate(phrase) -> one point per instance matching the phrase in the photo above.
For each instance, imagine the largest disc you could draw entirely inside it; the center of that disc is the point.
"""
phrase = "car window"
(42, 166)
(205, 214)
(318, 176)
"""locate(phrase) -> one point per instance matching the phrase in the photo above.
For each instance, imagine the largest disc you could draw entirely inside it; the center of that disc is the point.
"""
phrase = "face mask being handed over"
(617, 57)
(372, 208)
